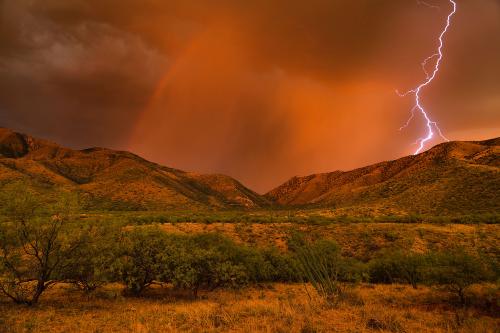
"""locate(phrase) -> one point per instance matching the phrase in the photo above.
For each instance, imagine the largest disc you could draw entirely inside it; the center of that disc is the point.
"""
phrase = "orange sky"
(259, 90)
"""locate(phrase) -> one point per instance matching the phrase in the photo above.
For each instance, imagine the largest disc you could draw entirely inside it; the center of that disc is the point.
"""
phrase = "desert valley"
(409, 245)
(275, 166)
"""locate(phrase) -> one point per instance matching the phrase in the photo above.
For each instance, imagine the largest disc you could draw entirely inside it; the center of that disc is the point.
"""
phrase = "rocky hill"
(115, 180)
(450, 179)
(454, 178)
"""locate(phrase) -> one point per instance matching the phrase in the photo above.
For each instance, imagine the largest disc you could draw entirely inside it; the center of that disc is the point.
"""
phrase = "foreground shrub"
(206, 261)
(91, 265)
(211, 261)
(457, 270)
(143, 257)
(282, 267)
(398, 267)
(35, 243)
(207, 269)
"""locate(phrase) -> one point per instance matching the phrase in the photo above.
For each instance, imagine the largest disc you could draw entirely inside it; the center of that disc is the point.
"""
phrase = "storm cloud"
(260, 90)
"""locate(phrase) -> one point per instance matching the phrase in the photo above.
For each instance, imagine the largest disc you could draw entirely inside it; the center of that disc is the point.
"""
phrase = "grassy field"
(275, 307)
(299, 216)
(360, 237)
(359, 240)
(270, 308)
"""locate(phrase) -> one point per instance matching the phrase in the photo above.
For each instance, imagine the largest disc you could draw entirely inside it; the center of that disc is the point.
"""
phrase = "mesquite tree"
(35, 242)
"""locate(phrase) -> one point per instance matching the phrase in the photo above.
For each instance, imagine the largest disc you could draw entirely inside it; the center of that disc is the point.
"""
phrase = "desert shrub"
(36, 241)
(142, 258)
(209, 261)
(91, 265)
(457, 270)
(191, 262)
(283, 267)
(486, 218)
(148, 219)
(260, 265)
(353, 270)
(209, 269)
(256, 264)
(397, 267)
(391, 236)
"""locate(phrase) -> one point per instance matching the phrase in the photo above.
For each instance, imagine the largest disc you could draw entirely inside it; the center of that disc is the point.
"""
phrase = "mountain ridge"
(459, 177)
(436, 173)
(117, 179)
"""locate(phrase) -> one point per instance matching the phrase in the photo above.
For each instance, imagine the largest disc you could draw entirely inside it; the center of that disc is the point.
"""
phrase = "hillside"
(455, 178)
(450, 179)
(115, 180)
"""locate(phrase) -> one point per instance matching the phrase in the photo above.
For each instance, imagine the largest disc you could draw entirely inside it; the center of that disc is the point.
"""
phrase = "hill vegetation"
(124, 272)
(114, 180)
(450, 179)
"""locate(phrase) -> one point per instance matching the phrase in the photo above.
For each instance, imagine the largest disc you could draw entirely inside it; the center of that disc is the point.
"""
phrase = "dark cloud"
(260, 90)
(80, 83)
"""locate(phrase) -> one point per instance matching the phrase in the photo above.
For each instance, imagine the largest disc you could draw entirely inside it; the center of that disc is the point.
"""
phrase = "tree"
(35, 243)
(281, 267)
(457, 270)
(91, 265)
(207, 269)
(210, 261)
(143, 258)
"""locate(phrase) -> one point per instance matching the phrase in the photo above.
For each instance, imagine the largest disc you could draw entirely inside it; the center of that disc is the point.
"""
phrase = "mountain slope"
(451, 178)
(116, 180)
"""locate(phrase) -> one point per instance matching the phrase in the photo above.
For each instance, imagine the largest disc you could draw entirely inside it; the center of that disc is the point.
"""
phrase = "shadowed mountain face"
(450, 179)
(115, 180)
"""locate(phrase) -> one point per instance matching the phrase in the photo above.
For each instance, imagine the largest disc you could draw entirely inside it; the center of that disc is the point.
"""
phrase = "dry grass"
(360, 240)
(276, 308)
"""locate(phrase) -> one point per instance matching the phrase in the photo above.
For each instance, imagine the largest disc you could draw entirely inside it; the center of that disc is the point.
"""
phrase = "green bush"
(281, 267)
(209, 269)
(91, 265)
(143, 256)
(205, 261)
(457, 270)
(36, 241)
(40, 246)
(398, 267)
(208, 261)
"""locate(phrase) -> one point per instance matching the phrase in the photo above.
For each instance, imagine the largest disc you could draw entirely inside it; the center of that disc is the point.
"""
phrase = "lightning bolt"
(430, 76)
